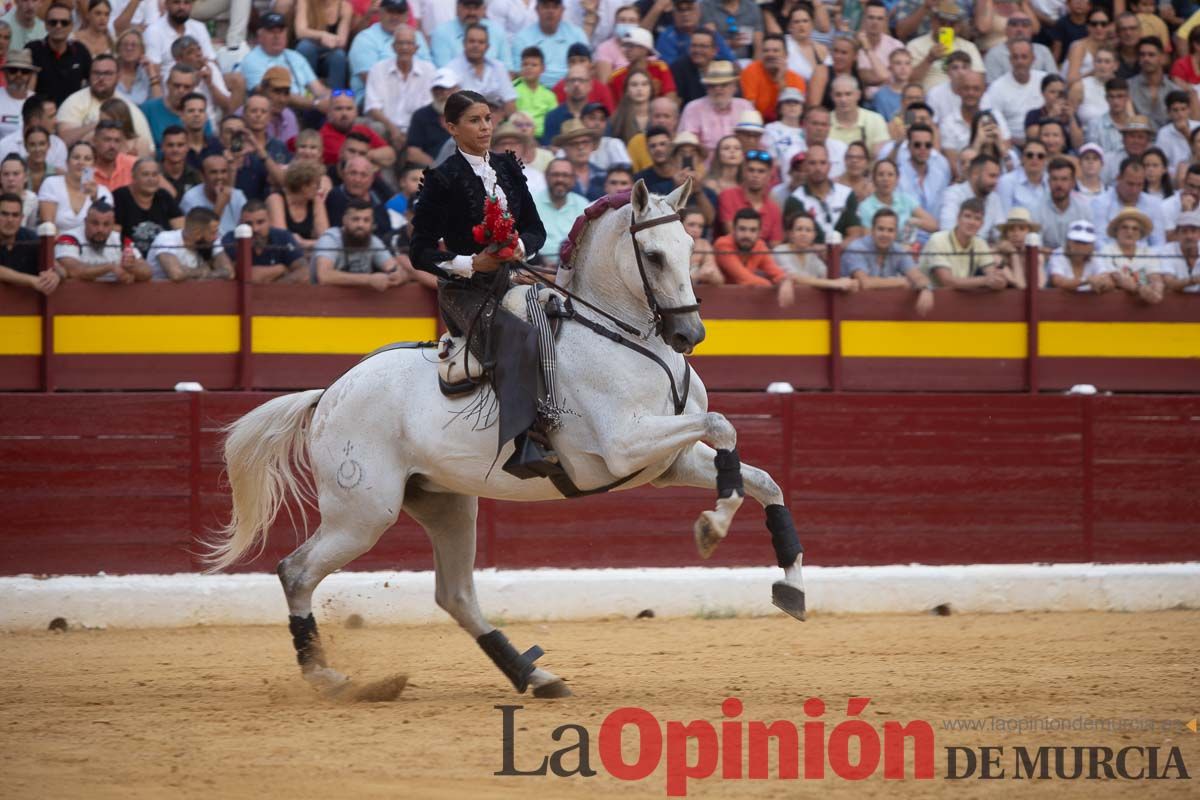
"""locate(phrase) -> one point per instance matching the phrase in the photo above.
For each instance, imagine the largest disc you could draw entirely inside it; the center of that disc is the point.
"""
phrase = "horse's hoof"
(707, 535)
(788, 599)
(552, 690)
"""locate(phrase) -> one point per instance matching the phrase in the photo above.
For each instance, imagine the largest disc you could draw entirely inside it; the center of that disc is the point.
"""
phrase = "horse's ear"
(640, 197)
(678, 198)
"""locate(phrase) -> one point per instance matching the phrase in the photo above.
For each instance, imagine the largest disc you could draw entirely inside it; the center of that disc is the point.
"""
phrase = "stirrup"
(531, 459)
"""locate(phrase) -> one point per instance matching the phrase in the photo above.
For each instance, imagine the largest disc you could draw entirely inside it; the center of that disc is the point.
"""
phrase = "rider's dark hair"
(458, 103)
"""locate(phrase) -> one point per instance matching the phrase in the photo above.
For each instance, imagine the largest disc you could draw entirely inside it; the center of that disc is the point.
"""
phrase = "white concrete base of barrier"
(148, 601)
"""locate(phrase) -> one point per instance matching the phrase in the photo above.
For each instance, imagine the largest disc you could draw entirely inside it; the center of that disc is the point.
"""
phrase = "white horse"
(383, 439)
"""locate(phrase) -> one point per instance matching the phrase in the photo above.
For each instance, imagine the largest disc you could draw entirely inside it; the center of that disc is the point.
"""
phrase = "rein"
(678, 398)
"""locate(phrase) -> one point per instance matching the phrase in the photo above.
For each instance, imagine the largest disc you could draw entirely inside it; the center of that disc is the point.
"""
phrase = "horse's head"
(665, 271)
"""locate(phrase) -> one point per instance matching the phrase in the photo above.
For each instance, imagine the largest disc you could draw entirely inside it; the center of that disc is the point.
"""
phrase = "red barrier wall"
(126, 482)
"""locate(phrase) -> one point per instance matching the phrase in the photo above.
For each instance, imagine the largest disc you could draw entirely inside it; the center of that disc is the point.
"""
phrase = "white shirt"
(10, 112)
(83, 108)
(1059, 264)
(1014, 100)
(610, 152)
(956, 131)
(826, 212)
(397, 95)
(513, 15)
(1143, 261)
(1175, 145)
(952, 200)
(606, 12)
(1174, 263)
(837, 156)
(494, 83)
(147, 12)
(159, 36)
(56, 156)
(432, 13)
(54, 190)
(74, 244)
(171, 243)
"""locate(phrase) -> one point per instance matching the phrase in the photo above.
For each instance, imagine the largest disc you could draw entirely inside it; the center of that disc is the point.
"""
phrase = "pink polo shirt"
(711, 125)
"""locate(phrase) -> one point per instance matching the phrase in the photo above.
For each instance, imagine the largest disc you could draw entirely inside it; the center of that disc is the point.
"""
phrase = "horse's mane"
(570, 245)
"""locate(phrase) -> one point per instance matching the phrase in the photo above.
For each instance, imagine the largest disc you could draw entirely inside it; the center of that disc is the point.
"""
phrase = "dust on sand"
(222, 712)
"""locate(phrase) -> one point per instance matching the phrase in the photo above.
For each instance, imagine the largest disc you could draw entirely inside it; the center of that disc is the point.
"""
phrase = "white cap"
(1190, 219)
(445, 78)
(1082, 231)
(641, 37)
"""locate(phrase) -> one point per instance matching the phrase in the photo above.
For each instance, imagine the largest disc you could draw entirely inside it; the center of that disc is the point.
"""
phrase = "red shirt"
(599, 94)
(1185, 70)
(660, 77)
(754, 269)
(334, 139)
(732, 200)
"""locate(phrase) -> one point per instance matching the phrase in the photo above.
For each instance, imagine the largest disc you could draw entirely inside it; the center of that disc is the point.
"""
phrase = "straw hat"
(573, 129)
(1019, 216)
(719, 72)
(1137, 123)
(507, 130)
(1129, 212)
(750, 121)
(685, 138)
(948, 9)
(21, 59)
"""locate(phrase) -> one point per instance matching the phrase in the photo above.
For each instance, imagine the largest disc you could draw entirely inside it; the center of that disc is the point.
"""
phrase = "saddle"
(463, 365)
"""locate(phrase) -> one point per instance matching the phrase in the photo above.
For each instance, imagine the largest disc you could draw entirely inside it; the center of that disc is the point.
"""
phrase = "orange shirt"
(760, 88)
(743, 269)
(121, 175)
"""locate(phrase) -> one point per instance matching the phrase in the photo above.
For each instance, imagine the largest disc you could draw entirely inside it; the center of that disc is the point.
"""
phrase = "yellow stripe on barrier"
(20, 336)
(336, 335)
(85, 334)
(765, 337)
(1119, 339)
(879, 339)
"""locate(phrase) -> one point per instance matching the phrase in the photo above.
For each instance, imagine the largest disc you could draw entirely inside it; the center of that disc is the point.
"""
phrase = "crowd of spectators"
(932, 139)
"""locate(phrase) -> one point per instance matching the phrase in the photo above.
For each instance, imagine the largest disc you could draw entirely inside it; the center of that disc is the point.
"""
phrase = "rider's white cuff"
(460, 266)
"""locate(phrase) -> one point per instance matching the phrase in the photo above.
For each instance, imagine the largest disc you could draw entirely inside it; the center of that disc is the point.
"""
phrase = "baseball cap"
(1092, 147)
(790, 93)
(590, 107)
(277, 76)
(1188, 219)
(400, 6)
(445, 78)
(579, 50)
(1083, 231)
(272, 19)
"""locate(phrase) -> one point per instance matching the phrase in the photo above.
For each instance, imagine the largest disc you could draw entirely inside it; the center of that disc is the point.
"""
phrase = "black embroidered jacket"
(450, 203)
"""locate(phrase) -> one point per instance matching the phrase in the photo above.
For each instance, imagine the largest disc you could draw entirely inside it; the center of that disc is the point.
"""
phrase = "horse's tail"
(267, 460)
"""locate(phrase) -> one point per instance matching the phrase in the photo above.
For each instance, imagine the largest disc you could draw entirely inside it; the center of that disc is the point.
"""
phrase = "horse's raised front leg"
(702, 466)
(649, 439)
(449, 520)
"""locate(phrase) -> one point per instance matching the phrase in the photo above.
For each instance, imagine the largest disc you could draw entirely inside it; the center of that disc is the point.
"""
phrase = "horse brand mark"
(350, 473)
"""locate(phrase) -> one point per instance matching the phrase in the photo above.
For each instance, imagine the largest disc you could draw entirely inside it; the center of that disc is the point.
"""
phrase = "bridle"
(657, 310)
(679, 395)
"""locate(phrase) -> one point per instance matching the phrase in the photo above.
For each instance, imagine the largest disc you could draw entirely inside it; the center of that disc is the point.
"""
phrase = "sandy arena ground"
(221, 712)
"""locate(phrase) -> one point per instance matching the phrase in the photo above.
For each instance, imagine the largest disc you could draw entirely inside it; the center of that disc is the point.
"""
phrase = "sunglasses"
(58, 23)
(1036, 156)
(342, 93)
(1097, 23)
(19, 70)
(759, 155)
(921, 145)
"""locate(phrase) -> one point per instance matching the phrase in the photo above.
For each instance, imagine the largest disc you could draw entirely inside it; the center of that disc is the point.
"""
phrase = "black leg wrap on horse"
(306, 641)
(516, 666)
(729, 473)
(784, 538)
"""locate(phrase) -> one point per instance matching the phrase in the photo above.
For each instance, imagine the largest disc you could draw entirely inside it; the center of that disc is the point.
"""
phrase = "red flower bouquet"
(497, 232)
